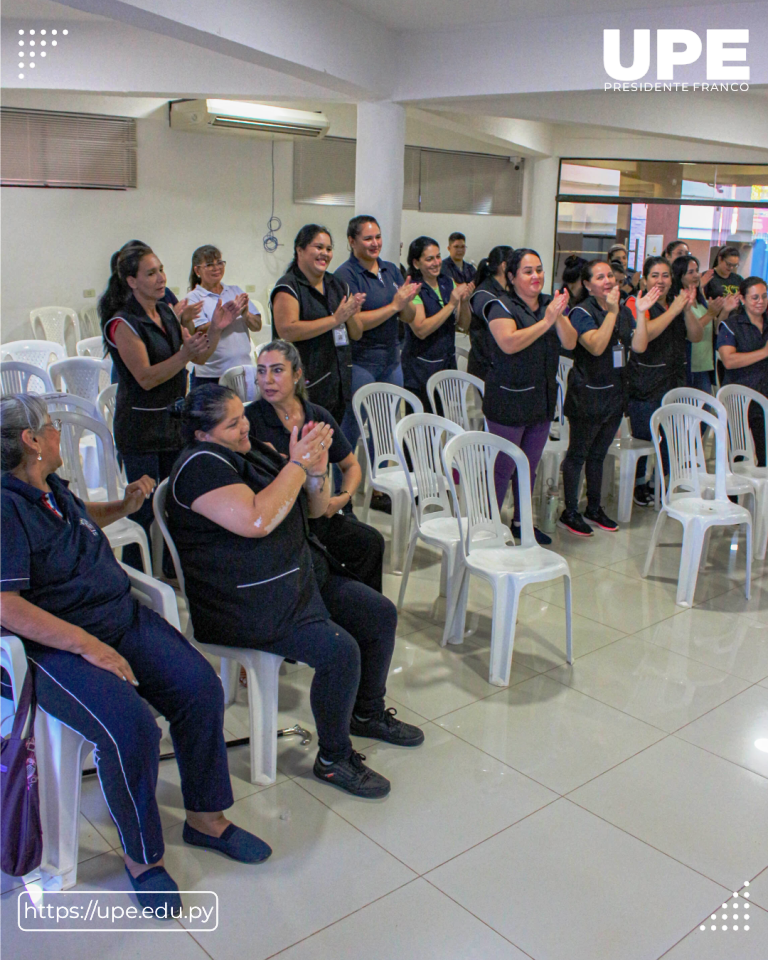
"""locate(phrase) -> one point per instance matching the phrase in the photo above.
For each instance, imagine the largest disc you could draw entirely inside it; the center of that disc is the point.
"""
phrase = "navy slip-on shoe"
(150, 887)
(235, 843)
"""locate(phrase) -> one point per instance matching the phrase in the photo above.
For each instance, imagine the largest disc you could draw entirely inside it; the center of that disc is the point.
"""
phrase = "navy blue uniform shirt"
(464, 275)
(379, 292)
(63, 565)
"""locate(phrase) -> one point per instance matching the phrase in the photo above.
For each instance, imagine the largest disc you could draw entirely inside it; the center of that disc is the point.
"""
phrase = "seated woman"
(95, 653)
(256, 578)
(284, 405)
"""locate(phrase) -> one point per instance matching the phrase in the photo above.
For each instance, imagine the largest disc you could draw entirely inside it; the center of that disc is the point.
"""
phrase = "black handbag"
(21, 834)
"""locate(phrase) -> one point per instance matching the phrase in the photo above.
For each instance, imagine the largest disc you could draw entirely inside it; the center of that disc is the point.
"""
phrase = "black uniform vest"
(596, 387)
(422, 358)
(662, 366)
(488, 292)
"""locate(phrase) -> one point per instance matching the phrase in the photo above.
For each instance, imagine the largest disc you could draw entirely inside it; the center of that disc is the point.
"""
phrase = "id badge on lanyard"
(340, 336)
(619, 355)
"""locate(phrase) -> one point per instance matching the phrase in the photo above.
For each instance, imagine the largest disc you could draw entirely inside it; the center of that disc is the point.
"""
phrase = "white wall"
(193, 189)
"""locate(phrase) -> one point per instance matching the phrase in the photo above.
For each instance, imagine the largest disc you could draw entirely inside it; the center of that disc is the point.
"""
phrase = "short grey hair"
(18, 412)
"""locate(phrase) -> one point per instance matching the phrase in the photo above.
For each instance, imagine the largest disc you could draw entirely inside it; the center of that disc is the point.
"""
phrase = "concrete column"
(379, 168)
(541, 211)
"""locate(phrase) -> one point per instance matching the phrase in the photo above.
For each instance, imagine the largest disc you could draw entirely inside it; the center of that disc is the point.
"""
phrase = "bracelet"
(344, 491)
(300, 464)
(316, 476)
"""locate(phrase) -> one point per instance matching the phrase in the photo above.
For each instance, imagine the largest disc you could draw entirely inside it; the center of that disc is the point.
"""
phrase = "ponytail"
(489, 266)
(124, 263)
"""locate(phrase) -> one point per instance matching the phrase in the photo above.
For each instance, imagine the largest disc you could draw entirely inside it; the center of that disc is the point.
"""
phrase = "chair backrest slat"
(453, 389)
(82, 376)
(40, 353)
(19, 377)
(680, 424)
(74, 427)
(241, 379)
(421, 436)
(737, 400)
(380, 406)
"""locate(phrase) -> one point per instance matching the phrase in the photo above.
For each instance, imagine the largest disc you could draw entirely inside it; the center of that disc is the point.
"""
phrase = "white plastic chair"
(54, 323)
(90, 325)
(70, 402)
(486, 547)
(741, 452)
(82, 376)
(378, 405)
(462, 358)
(260, 337)
(19, 377)
(422, 436)
(456, 392)
(73, 428)
(683, 500)
(735, 485)
(628, 450)
(91, 347)
(261, 669)
(60, 751)
(105, 404)
(40, 353)
(556, 447)
(242, 380)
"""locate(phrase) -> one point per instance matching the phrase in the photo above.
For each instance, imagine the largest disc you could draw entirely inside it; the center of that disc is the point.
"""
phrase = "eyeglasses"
(56, 424)
(216, 263)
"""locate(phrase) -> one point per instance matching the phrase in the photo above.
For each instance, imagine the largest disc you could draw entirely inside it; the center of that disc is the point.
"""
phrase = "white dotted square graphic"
(739, 904)
(29, 52)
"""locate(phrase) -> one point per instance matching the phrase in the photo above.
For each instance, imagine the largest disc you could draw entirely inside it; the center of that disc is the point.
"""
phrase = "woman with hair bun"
(314, 310)
(491, 285)
(430, 337)
(150, 351)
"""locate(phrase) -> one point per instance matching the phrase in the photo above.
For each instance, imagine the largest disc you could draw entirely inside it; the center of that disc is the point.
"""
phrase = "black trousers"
(158, 466)
(356, 545)
(588, 444)
(351, 653)
(756, 421)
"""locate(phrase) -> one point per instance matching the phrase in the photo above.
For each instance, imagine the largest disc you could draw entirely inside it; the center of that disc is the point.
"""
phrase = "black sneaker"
(573, 522)
(381, 502)
(643, 496)
(353, 776)
(599, 518)
(388, 728)
(541, 537)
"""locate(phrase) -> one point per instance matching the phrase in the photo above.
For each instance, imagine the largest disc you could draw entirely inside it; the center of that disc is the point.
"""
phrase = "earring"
(39, 456)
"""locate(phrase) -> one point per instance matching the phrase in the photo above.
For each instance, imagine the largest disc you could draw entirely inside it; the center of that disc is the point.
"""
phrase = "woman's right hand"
(405, 294)
(348, 307)
(680, 302)
(312, 447)
(188, 312)
(193, 344)
(460, 292)
(642, 304)
(106, 658)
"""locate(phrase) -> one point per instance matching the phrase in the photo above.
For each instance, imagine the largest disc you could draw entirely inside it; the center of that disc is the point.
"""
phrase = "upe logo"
(676, 48)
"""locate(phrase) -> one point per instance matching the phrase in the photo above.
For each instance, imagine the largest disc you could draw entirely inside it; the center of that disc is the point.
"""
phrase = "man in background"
(454, 265)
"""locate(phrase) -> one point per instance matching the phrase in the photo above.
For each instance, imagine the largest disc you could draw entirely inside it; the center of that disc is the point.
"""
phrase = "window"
(41, 148)
(435, 181)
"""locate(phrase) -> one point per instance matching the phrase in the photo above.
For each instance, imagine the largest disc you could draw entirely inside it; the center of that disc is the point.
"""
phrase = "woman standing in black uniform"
(314, 310)
(596, 395)
(662, 366)
(150, 352)
(490, 286)
(742, 343)
(430, 338)
(521, 382)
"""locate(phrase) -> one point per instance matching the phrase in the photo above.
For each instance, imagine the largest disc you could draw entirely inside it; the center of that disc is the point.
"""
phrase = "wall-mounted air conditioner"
(249, 119)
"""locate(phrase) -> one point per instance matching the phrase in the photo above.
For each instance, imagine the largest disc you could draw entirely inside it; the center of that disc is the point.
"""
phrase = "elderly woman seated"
(283, 405)
(99, 658)
(256, 577)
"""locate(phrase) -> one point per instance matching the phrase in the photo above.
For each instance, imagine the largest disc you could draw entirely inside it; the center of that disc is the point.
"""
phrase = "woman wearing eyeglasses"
(233, 347)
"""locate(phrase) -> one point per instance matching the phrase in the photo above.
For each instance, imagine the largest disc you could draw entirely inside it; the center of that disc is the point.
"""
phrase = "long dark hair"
(204, 254)
(489, 266)
(124, 263)
(202, 409)
(304, 237)
(415, 252)
(679, 269)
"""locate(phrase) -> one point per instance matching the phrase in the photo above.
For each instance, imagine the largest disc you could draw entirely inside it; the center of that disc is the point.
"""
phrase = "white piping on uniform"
(123, 320)
(518, 390)
(724, 324)
(149, 409)
(310, 385)
(198, 454)
(608, 386)
(13, 579)
(258, 583)
(117, 749)
(650, 365)
(424, 360)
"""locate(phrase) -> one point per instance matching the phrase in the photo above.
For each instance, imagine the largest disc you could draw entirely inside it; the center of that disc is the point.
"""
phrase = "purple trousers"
(531, 439)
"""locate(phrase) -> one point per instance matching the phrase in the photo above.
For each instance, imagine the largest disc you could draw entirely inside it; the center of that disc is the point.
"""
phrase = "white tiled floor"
(599, 811)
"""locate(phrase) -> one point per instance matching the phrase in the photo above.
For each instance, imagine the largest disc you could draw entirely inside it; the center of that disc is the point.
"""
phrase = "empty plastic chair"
(105, 404)
(683, 497)
(462, 358)
(458, 393)
(379, 406)
(23, 378)
(60, 750)
(487, 548)
(242, 380)
(40, 353)
(91, 347)
(261, 669)
(741, 452)
(56, 401)
(556, 447)
(83, 376)
(627, 450)
(74, 427)
(90, 325)
(421, 436)
(60, 324)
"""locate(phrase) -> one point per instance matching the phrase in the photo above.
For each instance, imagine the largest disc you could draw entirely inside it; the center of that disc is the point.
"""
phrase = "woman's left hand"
(643, 303)
(325, 438)
(136, 493)
(227, 313)
(555, 307)
(336, 504)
